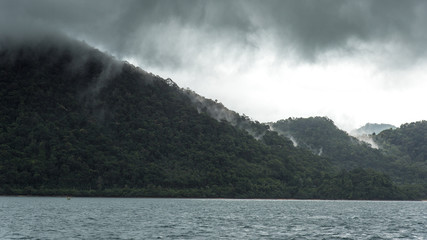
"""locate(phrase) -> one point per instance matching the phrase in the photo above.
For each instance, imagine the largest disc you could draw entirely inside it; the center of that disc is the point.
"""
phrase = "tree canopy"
(76, 121)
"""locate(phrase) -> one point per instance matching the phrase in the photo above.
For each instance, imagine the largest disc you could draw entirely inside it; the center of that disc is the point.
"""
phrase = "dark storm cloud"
(316, 27)
(152, 30)
(172, 33)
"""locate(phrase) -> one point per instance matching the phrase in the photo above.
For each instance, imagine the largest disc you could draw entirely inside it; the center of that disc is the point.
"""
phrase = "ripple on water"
(115, 218)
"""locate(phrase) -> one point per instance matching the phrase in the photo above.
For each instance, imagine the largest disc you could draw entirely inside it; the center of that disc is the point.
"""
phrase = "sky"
(352, 61)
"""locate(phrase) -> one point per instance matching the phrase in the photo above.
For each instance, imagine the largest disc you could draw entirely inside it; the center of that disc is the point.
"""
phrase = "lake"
(146, 218)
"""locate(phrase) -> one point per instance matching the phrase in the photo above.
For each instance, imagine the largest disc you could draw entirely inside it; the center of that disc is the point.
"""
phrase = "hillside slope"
(408, 145)
(401, 154)
(322, 137)
(76, 121)
(409, 138)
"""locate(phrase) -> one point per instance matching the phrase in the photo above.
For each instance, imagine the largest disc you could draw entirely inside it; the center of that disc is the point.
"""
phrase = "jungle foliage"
(401, 152)
(74, 121)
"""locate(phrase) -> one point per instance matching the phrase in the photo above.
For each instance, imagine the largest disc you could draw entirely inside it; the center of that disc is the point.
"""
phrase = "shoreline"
(211, 198)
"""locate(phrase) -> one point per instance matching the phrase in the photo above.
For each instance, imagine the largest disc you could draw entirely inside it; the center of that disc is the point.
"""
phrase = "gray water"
(141, 218)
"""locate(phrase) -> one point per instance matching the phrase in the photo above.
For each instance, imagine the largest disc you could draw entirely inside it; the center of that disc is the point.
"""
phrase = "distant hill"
(371, 128)
(74, 120)
(408, 146)
(401, 153)
(409, 138)
(322, 137)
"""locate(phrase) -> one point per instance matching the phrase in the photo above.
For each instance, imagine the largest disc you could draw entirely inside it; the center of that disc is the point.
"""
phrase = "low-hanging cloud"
(313, 28)
(172, 33)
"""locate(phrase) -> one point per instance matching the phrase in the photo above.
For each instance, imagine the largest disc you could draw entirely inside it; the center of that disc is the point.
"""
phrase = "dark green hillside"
(401, 156)
(322, 137)
(410, 138)
(408, 145)
(75, 121)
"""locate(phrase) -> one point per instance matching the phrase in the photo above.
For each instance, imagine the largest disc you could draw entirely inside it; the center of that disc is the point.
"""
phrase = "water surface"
(144, 218)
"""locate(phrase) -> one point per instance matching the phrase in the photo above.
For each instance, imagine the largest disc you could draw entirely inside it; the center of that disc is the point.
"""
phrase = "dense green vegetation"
(401, 154)
(321, 136)
(407, 146)
(410, 139)
(75, 121)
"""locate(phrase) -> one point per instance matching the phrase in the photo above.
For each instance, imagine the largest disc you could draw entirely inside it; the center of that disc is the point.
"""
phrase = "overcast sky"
(352, 61)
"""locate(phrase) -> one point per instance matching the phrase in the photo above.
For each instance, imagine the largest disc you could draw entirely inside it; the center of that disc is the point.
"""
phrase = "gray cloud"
(313, 28)
(232, 50)
(172, 33)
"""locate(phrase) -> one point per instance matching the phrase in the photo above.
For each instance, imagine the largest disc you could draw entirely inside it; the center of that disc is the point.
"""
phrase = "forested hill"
(76, 121)
(322, 137)
(408, 147)
(410, 139)
(401, 153)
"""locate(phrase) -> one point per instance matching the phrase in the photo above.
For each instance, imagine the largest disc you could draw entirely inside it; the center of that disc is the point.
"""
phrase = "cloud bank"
(215, 45)
(168, 32)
